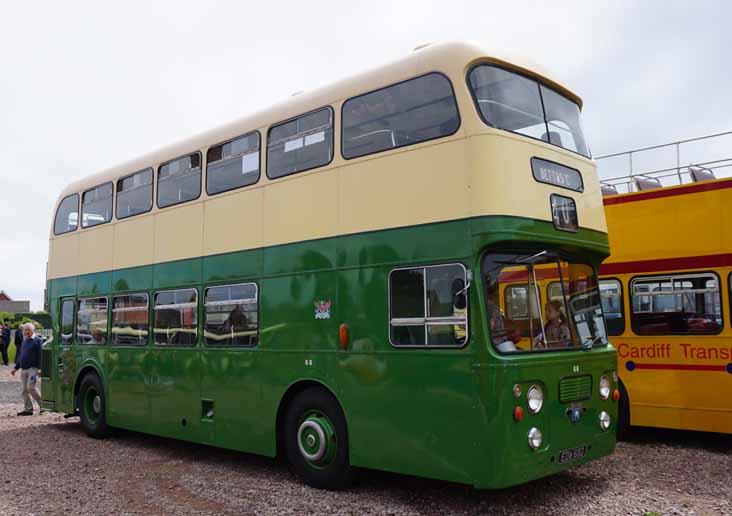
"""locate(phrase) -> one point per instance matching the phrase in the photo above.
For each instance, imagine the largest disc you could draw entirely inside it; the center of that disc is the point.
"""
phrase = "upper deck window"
(410, 112)
(521, 105)
(232, 164)
(67, 215)
(179, 180)
(300, 144)
(96, 205)
(134, 194)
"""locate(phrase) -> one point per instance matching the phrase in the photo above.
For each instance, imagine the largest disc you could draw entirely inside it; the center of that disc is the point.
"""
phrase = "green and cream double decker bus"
(325, 280)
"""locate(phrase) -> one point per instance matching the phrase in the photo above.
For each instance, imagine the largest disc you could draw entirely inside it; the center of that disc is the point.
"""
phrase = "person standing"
(4, 342)
(18, 342)
(29, 364)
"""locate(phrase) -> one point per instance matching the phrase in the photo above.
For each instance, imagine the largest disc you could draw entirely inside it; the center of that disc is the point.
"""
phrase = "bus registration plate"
(572, 454)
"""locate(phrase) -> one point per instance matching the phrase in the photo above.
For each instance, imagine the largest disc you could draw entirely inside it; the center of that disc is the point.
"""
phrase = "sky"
(86, 85)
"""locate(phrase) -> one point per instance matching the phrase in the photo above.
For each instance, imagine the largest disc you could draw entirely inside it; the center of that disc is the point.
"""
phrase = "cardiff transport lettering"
(682, 351)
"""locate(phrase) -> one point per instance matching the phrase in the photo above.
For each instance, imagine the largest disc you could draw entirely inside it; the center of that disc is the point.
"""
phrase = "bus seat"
(552, 137)
(701, 174)
(608, 190)
(647, 183)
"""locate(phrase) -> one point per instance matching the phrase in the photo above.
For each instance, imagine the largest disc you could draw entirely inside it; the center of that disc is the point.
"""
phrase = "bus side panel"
(677, 381)
(410, 411)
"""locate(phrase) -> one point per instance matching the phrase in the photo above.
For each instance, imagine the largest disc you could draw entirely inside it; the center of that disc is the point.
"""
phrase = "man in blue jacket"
(4, 342)
(29, 364)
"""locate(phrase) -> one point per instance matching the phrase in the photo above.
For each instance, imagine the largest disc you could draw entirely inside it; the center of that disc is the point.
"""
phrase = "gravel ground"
(50, 467)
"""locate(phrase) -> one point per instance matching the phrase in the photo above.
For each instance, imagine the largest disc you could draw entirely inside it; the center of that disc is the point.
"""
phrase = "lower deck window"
(428, 306)
(679, 304)
(611, 294)
(176, 317)
(231, 317)
(130, 320)
(91, 321)
(571, 316)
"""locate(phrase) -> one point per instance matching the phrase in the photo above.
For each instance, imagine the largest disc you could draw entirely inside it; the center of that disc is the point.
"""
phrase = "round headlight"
(604, 387)
(535, 398)
(604, 420)
(535, 438)
(517, 390)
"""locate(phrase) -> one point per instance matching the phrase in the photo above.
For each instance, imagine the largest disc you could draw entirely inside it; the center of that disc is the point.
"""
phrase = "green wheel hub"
(316, 439)
(92, 405)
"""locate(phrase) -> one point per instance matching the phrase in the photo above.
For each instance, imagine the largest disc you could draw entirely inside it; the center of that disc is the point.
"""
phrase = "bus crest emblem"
(322, 309)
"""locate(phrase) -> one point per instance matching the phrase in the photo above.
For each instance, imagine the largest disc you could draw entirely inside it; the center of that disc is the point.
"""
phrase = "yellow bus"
(319, 280)
(666, 297)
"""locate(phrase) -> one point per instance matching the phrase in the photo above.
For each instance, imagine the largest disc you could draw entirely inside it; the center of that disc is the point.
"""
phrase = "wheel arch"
(86, 368)
(290, 394)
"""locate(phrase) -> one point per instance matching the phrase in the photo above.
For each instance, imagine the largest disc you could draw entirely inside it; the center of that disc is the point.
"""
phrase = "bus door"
(173, 373)
(64, 375)
(230, 400)
(128, 359)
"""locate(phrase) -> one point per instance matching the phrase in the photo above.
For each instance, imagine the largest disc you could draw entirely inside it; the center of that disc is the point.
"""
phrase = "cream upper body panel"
(400, 187)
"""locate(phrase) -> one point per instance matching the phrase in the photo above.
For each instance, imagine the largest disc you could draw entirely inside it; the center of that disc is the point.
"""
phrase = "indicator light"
(343, 335)
(518, 413)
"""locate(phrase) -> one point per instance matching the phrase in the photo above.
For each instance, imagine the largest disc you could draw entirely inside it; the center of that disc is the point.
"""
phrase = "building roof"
(4, 296)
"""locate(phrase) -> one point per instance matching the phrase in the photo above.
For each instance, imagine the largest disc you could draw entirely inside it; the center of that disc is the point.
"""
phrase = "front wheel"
(92, 406)
(316, 440)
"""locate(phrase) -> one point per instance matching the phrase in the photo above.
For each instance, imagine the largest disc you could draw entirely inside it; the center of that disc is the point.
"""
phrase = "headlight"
(517, 391)
(604, 420)
(604, 387)
(535, 438)
(535, 398)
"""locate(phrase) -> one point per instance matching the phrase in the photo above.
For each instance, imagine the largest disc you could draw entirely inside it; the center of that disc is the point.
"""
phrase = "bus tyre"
(623, 414)
(92, 406)
(316, 440)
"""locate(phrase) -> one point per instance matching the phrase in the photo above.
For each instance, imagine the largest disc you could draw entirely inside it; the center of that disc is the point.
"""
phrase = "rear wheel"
(623, 414)
(92, 406)
(316, 440)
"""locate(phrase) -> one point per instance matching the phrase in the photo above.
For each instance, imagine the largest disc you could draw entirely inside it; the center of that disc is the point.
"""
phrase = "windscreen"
(540, 302)
(515, 103)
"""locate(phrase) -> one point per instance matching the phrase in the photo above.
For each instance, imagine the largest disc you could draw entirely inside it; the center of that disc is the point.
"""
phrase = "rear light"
(518, 413)
(616, 395)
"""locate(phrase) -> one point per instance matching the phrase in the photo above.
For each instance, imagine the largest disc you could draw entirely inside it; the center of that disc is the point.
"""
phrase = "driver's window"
(428, 306)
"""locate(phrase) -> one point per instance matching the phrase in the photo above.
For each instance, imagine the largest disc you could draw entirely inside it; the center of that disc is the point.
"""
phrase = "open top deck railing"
(635, 179)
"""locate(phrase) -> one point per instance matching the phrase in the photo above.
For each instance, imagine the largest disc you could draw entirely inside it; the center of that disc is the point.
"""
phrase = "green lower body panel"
(438, 413)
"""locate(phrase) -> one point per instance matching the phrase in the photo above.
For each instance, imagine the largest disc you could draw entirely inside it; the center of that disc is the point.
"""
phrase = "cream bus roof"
(452, 58)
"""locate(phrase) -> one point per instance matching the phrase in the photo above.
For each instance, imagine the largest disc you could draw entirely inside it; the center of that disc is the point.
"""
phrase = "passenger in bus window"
(556, 328)
(499, 335)
(97, 337)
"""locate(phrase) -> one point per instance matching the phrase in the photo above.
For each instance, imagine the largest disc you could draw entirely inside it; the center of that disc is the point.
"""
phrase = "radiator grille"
(575, 388)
